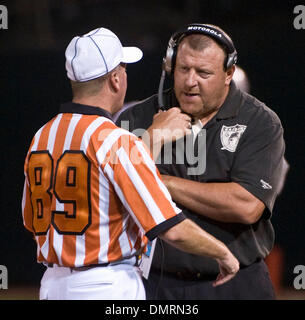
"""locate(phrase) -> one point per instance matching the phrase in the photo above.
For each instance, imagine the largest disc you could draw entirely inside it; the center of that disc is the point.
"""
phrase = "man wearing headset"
(231, 189)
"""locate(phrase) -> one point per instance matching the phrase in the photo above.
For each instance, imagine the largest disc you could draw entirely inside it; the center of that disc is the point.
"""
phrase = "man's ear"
(115, 81)
(229, 75)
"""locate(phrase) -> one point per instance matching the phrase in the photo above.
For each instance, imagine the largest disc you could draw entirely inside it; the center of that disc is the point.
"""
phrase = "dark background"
(33, 83)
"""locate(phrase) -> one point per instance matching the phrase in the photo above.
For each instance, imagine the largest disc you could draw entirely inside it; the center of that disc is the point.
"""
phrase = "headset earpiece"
(231, 60)
(170, 56)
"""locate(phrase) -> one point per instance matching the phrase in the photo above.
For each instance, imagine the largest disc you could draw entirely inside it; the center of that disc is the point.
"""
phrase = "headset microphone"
(160, 91)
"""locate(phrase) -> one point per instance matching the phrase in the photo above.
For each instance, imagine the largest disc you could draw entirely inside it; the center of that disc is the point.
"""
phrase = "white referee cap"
(96, 53)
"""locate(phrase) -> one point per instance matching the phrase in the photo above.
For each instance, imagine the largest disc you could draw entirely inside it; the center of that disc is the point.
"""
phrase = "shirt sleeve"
(259, 163)
(139, 186)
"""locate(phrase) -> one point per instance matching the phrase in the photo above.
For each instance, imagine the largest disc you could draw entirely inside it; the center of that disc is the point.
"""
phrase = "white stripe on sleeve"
(151, 165)
(140, 187)
(120, 194)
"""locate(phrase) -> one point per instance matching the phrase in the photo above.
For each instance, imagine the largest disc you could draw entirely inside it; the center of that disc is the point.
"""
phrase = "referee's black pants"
(250, 283)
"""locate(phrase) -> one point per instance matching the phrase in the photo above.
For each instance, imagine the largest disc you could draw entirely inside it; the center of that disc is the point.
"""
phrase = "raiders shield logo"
(230, 136)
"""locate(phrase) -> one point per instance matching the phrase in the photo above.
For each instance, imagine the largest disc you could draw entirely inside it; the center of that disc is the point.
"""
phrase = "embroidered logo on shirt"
(265, 184)
(230, 136)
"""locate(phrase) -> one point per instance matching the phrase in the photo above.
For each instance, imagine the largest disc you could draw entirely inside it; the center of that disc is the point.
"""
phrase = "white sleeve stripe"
(120, 194)
(140, 187)
(150, 163)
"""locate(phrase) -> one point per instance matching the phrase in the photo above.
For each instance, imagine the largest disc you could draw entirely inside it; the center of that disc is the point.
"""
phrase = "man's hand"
(228, 265)
(189, 237)
(228, 268)
(172, 121)
(167, 126)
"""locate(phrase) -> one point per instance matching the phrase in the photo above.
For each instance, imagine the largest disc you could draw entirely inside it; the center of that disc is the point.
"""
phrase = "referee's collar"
(71, 107)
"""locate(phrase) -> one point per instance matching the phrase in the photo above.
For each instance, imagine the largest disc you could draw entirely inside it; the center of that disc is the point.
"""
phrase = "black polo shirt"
(244, 144)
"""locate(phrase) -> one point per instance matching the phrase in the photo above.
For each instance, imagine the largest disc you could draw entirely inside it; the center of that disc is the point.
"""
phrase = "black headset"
(206, 29)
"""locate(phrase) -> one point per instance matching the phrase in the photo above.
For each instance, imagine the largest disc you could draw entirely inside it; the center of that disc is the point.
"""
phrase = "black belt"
(190, 276)
(83, 268)
(90, 266)
(193, 276)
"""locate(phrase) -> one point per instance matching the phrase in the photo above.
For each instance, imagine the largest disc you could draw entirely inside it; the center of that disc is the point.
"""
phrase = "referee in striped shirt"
(93, 195)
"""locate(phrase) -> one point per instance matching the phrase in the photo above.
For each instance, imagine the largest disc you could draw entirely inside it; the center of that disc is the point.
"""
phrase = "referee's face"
(200, 82)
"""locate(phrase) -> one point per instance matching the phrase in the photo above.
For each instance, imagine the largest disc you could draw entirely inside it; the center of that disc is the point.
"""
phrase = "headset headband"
(209, 30)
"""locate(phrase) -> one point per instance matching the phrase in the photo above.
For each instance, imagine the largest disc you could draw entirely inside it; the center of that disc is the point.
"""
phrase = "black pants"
(250, 283)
